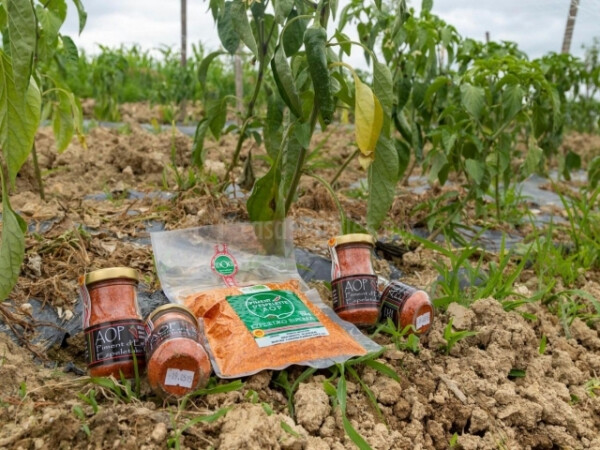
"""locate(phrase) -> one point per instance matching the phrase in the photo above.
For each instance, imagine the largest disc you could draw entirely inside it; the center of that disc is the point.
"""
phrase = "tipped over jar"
(406, 305)
(354, 283)
(177, 362)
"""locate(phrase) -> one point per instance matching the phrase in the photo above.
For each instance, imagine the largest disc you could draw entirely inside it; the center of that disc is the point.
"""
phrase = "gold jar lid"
(354, 238)
(111, 273)
(170, 307)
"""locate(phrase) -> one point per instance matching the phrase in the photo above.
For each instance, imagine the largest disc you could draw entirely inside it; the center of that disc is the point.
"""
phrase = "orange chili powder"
(354, 283)
(235, 350)
(113, 327)
(177, 362)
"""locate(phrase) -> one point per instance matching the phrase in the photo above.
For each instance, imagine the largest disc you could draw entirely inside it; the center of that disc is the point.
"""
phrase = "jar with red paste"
(114, 329)
(354, 283)
(177, 362)
(406, 305)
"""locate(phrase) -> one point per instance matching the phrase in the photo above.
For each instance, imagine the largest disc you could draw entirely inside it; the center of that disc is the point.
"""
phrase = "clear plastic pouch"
(241, 281)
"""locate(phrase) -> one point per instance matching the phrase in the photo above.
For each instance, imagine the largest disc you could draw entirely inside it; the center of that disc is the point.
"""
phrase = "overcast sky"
(536, 25)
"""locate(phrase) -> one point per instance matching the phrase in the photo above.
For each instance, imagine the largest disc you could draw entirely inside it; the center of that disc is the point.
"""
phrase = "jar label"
(423, 320)
(116, 341)
(276, 317)
(171, 329)
(354, 292)
(392, 300)
(176, 377)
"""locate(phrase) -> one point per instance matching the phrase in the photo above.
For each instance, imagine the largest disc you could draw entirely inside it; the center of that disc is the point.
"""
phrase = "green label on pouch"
(276, 317)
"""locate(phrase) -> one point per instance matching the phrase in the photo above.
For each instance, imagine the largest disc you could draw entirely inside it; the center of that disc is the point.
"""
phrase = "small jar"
(177, 362)
(113, 327)
(354, 283)
(406, 305)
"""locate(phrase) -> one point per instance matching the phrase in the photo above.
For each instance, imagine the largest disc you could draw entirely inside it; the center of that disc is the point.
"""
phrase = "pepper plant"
(303, 81)
(479, 111)
(29, 92)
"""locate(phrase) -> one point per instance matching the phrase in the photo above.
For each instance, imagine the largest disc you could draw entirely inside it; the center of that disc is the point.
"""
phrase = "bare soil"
(493, 390)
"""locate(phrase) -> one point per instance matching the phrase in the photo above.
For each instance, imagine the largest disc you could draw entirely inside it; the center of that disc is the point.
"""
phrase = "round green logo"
(224, 265)
(269, 305)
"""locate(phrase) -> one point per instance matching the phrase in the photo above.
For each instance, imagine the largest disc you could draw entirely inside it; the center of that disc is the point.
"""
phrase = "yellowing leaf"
(365, 161)
(368, 117)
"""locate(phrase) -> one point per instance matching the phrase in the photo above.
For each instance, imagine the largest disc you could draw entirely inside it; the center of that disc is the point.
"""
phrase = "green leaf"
(203, 68)
(382, 179)
(288, 429)
(382, 368)
(341, 392)
(543, 343)
(344, 42)
(71, 52)
(517, 373)
(283, 8)
(262, 205)
(207, 419)
(594, 172)
(473, 99)
(533, 159)
(290, 158)
(22, 29)
(282, 73)
(226, 29)
(353, 435)
(216, 112)
(403, 88)
(239, 20)
(437, 84)
(572, 162)
(198, 153)
(475, 170)
(512, 101)
(81, 13)
(3, 16)
(426, 5)
(219, 389)
(62, 121)
(12, 251)
(383, 88)
(403, 156)
(292, 38)
(438, 162)
(273, 132)
(19, 118)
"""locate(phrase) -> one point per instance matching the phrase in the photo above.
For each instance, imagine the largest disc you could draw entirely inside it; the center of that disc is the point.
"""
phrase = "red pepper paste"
(354, 283)
(177, 362)
(406, 305)
(113, 327)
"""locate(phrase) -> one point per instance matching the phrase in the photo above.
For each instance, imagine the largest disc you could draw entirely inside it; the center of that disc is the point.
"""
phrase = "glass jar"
(406, 305)
(354, 283)
(113, 327)
(177, 362)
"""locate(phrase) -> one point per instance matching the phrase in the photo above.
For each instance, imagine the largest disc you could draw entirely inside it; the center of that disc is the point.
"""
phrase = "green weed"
(453, 337)
(175, 440)
(592, 387)
(78, 412)
(404, 339)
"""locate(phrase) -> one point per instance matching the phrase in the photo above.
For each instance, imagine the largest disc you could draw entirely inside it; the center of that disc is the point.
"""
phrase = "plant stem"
(327, 185)
(497, 186)
(301, 158)
(38, 173)
(344, 165)
(249, 114)
(449, 219)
